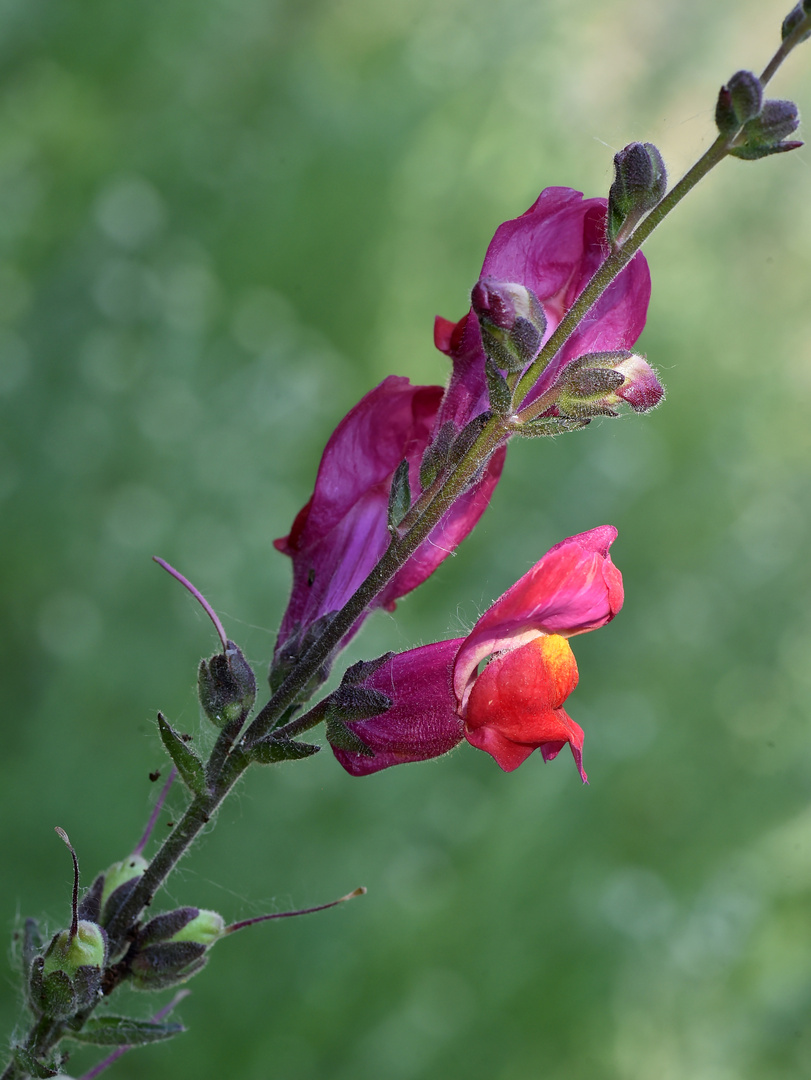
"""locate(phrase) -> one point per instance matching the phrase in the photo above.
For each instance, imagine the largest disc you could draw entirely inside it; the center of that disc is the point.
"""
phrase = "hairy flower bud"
(172, 947)
(766, 133)
(797, 15)
(87, 947)
(640, 181)
(738, 102)
(512, 322)
(595, 384)
(226, 686)
(119, 881)
(68, 977)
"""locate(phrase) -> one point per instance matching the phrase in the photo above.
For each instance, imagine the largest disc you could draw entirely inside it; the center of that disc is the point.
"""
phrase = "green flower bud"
(124, 873)
(640, 181)
(204, 929)
(86, 948)
(226, 686)
(512, 322)
(738, 102)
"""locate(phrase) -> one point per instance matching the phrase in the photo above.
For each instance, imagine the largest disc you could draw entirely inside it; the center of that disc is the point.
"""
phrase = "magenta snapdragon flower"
(553, 250)
(339, 536)
(546, 256)
(515, 704)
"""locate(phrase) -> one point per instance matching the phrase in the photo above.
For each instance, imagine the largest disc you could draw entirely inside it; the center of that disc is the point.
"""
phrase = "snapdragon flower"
(515, 704)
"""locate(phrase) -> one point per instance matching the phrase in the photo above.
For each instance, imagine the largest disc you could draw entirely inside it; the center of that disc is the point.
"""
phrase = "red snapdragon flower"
(515, 705)
(553, 249)
(339, 536)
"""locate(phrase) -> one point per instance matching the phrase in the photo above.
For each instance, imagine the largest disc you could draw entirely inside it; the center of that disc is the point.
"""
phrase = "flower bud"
(119, 881)
(86, 948)
(766, 133)
(512, 322)
(595, 384)
(171, 947)
(794, 18)
(226, 686)
(640, 181)
(738, 102)
(68, 977)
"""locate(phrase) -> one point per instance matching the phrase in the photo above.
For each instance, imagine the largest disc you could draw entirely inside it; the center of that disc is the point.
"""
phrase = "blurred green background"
(221, 222)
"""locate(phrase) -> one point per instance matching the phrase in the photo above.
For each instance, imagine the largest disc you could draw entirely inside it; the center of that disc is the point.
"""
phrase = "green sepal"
(123, 1031)
(435, 457)
(550, 425)
(26, 1060)
(498, 389)
(185, 760)
(400, 495)
(797, 15)
(338, 734)
(468, 435)
(271, 751)
(57, 997)
(357, 703)
(165, 926)
(32, 943)
(90, 906)
(364, 669)
(755, 153)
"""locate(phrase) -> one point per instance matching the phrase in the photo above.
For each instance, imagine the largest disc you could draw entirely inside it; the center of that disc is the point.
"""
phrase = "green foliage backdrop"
(223, 221)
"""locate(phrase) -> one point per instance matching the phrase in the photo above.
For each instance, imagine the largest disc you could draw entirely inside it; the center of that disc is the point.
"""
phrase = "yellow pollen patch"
(560, 664)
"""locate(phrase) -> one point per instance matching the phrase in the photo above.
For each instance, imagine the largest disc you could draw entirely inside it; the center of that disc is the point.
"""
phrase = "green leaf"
(187, 763)
(499, 391)
(269, 751)
(123, 1031)
(26, 1060)
(341, 736)
(400, 495)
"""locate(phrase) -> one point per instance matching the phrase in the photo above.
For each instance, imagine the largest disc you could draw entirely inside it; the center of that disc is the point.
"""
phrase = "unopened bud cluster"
(763, 126)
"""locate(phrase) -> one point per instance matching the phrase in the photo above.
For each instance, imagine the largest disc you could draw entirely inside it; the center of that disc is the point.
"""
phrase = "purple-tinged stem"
(150, 825)
(198, 596)
(116, 1054)
(74, 907)
(361, 891)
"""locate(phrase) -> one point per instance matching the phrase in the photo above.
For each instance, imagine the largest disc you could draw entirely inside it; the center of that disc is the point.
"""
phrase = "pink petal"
(574, 588)
(422, 722)
(554, 249)
(341, 533)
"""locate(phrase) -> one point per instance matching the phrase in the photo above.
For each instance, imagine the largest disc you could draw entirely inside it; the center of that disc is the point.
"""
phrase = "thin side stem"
(153, 817)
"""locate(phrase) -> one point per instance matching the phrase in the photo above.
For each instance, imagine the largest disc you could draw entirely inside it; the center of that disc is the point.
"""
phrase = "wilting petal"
(341, 533)
(574, 588)
(515, 705)
(553, 249)
(339, 536)
(422, 722)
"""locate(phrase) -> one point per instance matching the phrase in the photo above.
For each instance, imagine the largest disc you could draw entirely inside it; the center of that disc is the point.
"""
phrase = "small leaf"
(359, 702)
(123, 1031)
(550, 425)
(341, 736)
(364, 669)
(400, 495)
(187, 763)
(32, 942)
(270, 751)
(26, 1060)
(500, 395)
(468, 435)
